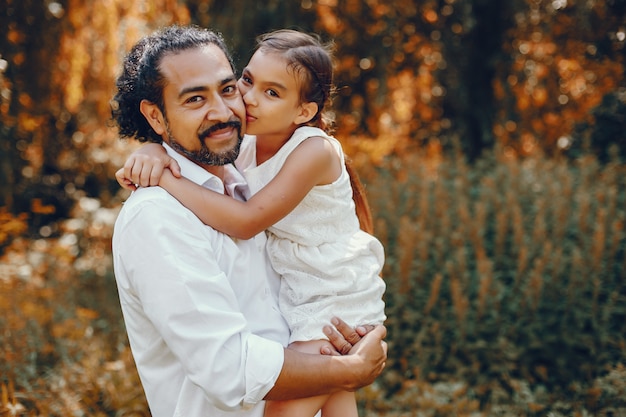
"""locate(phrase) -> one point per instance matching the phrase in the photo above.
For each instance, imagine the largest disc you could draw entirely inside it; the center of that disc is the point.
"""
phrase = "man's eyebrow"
(229, 79)
(194, 89)
(203, 88)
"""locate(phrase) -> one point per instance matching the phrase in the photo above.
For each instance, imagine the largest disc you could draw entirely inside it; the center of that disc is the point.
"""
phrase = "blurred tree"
(565, 56)
(432, 72)
(472, 34)
(56, 86)
(240, 21)
(29, 43)
(605, 134)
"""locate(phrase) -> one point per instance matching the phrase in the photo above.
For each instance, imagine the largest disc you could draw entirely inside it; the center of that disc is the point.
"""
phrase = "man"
(200, 308)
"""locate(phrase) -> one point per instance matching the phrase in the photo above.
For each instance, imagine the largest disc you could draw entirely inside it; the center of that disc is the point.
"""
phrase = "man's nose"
(219, 111)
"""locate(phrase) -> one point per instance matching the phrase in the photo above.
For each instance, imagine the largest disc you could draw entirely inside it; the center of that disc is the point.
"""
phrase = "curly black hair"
(141, 78)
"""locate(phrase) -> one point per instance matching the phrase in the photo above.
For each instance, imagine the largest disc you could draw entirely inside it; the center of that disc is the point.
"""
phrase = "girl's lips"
(250, 118)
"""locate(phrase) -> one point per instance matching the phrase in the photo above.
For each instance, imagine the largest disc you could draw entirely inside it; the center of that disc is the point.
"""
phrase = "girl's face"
(271, 93)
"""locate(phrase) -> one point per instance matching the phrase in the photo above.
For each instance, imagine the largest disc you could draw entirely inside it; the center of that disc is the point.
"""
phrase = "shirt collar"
(195, 172)
(235, 183)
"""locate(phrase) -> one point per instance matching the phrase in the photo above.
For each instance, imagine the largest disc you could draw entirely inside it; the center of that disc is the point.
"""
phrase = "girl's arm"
(313, 162)
(145, 166)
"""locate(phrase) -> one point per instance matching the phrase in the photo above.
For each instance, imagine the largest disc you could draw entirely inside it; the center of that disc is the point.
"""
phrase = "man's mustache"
(218, 126)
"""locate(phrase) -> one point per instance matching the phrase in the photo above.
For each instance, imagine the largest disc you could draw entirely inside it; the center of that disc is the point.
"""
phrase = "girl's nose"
(249, 98)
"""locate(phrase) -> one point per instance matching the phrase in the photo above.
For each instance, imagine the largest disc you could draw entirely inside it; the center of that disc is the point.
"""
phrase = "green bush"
(512, 269)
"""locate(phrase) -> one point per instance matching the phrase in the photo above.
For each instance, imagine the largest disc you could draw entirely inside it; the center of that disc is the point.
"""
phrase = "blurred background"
(490, 135)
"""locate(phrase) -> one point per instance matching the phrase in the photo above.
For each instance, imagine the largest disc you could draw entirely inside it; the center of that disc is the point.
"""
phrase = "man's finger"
(364, 329)
(337, 340)
(348, 333)
(380, 332)
(329, 350)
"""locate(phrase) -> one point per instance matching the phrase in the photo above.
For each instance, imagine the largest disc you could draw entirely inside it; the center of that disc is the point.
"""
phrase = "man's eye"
(230, 89)
(194, 99)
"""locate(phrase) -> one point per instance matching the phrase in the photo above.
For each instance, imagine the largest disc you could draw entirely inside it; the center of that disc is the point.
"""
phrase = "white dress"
(329, 266)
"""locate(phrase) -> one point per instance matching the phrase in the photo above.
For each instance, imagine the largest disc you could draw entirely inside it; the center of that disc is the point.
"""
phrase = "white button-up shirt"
(200, 308)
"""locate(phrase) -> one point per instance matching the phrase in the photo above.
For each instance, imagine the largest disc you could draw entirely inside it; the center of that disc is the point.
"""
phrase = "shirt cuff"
(265, 360)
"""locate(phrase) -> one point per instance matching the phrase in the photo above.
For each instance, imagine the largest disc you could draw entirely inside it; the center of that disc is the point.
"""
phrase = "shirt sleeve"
(171, 264)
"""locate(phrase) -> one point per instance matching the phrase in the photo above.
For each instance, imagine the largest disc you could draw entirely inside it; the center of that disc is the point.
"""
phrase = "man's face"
(204, 112)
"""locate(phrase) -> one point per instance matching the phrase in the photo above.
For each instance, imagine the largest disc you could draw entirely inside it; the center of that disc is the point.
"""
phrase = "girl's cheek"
(242, 87)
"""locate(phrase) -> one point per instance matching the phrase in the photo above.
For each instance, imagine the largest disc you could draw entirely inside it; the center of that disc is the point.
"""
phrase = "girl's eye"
(246, 79)
(272, 93)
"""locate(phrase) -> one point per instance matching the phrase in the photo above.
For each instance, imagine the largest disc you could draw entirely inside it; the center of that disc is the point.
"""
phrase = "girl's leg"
(305, 407)
(341, 404)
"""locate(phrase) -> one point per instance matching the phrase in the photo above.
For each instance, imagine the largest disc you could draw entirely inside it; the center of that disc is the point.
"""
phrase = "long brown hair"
(363, 211)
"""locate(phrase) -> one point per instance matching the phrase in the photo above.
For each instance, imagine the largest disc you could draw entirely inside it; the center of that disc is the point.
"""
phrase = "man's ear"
(154, 116)
(307, 112)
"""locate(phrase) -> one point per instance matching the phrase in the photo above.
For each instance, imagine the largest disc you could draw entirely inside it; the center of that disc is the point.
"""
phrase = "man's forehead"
(206, 62)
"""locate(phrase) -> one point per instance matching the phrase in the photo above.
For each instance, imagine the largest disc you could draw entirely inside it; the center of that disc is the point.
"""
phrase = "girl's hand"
(123, 181)
(342, 337)
(145, 166)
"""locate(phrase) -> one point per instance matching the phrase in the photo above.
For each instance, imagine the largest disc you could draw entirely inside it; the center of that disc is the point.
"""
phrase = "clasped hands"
(342, 337)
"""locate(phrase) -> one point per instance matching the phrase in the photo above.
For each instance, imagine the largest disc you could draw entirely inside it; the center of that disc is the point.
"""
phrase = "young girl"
(302, 194)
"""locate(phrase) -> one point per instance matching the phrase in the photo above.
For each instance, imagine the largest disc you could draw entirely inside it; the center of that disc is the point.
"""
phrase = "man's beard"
(205, 156)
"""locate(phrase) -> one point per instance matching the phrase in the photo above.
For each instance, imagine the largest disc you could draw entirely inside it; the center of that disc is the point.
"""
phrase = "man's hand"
(342, 337)
(368, 357)
(306, 375)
